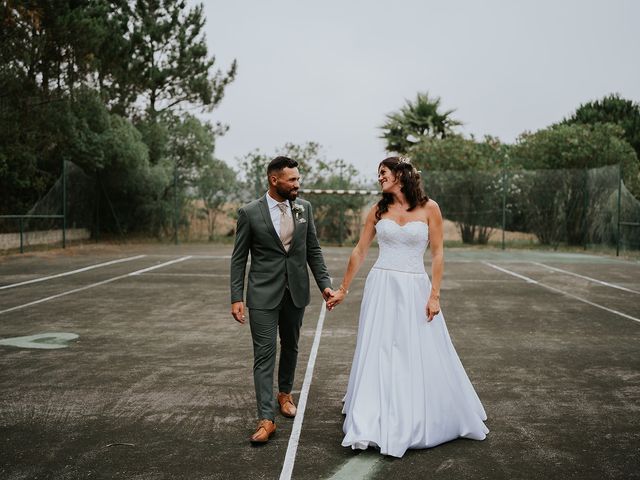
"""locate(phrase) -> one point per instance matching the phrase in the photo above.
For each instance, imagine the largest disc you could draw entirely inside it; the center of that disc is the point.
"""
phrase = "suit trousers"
(286, 319)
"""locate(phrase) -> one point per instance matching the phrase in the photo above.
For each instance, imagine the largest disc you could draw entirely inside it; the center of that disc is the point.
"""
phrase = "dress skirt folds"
(407, 387)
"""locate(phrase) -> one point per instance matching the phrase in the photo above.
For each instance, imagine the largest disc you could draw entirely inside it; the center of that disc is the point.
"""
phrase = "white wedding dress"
(407, 387)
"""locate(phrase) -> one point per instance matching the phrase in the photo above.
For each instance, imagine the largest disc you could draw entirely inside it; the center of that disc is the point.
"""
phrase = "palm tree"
(415, 121)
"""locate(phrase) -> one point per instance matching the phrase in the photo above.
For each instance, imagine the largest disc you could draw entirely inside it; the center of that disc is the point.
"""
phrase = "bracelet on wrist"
(341, 287)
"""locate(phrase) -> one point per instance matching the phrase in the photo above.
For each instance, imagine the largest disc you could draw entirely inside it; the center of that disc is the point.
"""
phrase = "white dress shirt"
(275, 212)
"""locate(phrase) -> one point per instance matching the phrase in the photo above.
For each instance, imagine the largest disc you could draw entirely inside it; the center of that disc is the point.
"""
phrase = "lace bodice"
(402, 246)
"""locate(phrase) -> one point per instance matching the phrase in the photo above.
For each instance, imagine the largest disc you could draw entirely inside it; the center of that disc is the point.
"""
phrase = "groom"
(279, 232)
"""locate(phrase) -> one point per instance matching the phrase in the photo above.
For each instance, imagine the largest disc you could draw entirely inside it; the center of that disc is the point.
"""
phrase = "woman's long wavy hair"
(409, 177)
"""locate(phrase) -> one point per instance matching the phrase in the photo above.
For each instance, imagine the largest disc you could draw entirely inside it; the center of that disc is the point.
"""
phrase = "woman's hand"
(433, 307)
(336, 299)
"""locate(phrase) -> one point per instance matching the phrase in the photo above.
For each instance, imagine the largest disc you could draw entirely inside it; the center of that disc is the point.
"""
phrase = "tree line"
(115, 87)
(545, 182)
(109, 86)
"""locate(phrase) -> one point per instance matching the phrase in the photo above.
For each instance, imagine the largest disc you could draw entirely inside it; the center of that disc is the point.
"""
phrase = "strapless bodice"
(402, 246)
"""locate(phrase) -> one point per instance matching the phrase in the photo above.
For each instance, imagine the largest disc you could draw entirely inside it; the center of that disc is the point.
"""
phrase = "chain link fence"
(588, 208)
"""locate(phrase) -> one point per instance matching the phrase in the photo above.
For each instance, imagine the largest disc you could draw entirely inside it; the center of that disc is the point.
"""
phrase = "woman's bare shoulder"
(432, 210)
(431, 205)
(371, 215)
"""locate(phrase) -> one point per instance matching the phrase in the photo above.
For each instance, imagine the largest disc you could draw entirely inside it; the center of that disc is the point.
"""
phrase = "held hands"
(332, 297)
(433, 307)
(336, 298)
(237, 310)
(327, 293)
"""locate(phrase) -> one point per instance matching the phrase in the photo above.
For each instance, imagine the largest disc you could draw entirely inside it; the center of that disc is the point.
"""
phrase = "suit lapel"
(264, 209)
(295, 226)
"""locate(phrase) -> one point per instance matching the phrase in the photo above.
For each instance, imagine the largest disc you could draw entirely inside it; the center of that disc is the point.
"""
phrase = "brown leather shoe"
(287, 407)
(265, 429)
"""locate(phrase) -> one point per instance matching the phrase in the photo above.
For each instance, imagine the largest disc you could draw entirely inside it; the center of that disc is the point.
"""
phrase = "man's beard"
(288, 194)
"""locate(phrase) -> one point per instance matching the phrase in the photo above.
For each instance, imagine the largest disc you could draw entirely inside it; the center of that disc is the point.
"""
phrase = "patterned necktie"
(286, 226)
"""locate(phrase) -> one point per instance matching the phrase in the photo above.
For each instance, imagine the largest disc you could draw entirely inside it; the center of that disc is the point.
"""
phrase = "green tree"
(338, 217)
(189, 150)
(184, 146)
(611, 109)
(253, 166)
(578, 146)
(169, 70)
(416, 121)
(43, 61)
(46, 45)
(253, 173)
(216, 185)
(169, 65)
(148, 61)
(559, 195)
(464, 177)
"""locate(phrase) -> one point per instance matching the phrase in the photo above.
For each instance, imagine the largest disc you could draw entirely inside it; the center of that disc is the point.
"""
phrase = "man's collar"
(273, 203)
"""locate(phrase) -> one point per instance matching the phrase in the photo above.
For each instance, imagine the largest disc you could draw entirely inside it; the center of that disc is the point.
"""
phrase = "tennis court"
(158, 385)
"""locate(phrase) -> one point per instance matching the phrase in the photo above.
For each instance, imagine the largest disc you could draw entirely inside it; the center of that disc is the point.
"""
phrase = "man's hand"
(237, 310)
(336, 299)
(327, 293)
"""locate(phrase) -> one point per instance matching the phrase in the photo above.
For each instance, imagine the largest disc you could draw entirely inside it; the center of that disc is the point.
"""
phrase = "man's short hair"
(280, 163)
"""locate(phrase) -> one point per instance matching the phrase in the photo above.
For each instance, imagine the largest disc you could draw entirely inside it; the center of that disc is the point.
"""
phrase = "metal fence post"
(97, 192)
(175, 203)
(504, 205)
(64, 204)
(21, 235)
(619, 201)
(585, 216)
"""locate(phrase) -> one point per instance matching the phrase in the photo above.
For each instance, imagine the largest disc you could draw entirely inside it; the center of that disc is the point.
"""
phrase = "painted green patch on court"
(46, 341)
(362, 466)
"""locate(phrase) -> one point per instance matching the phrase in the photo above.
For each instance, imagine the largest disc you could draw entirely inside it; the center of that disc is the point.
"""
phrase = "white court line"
(144, 270)
(87, 287)
(294, 439)
(595, 280)
(478, 280)
(531, 280)
(64, 274)
(193, 255)
(190, 274)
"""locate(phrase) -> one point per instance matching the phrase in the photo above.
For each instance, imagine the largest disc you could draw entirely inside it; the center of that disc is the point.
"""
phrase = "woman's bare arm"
(358, 255)
(436, 241)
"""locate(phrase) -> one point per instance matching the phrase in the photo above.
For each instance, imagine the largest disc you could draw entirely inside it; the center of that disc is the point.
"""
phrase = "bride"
(407, 387)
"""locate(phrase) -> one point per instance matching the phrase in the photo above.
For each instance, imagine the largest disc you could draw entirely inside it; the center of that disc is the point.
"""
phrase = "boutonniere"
(298, 210)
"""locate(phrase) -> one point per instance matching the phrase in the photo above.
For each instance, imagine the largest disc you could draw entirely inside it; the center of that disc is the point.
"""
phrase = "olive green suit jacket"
(272, 267)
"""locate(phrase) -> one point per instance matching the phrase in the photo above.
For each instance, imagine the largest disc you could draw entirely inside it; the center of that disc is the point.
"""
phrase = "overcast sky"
(328, 71)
